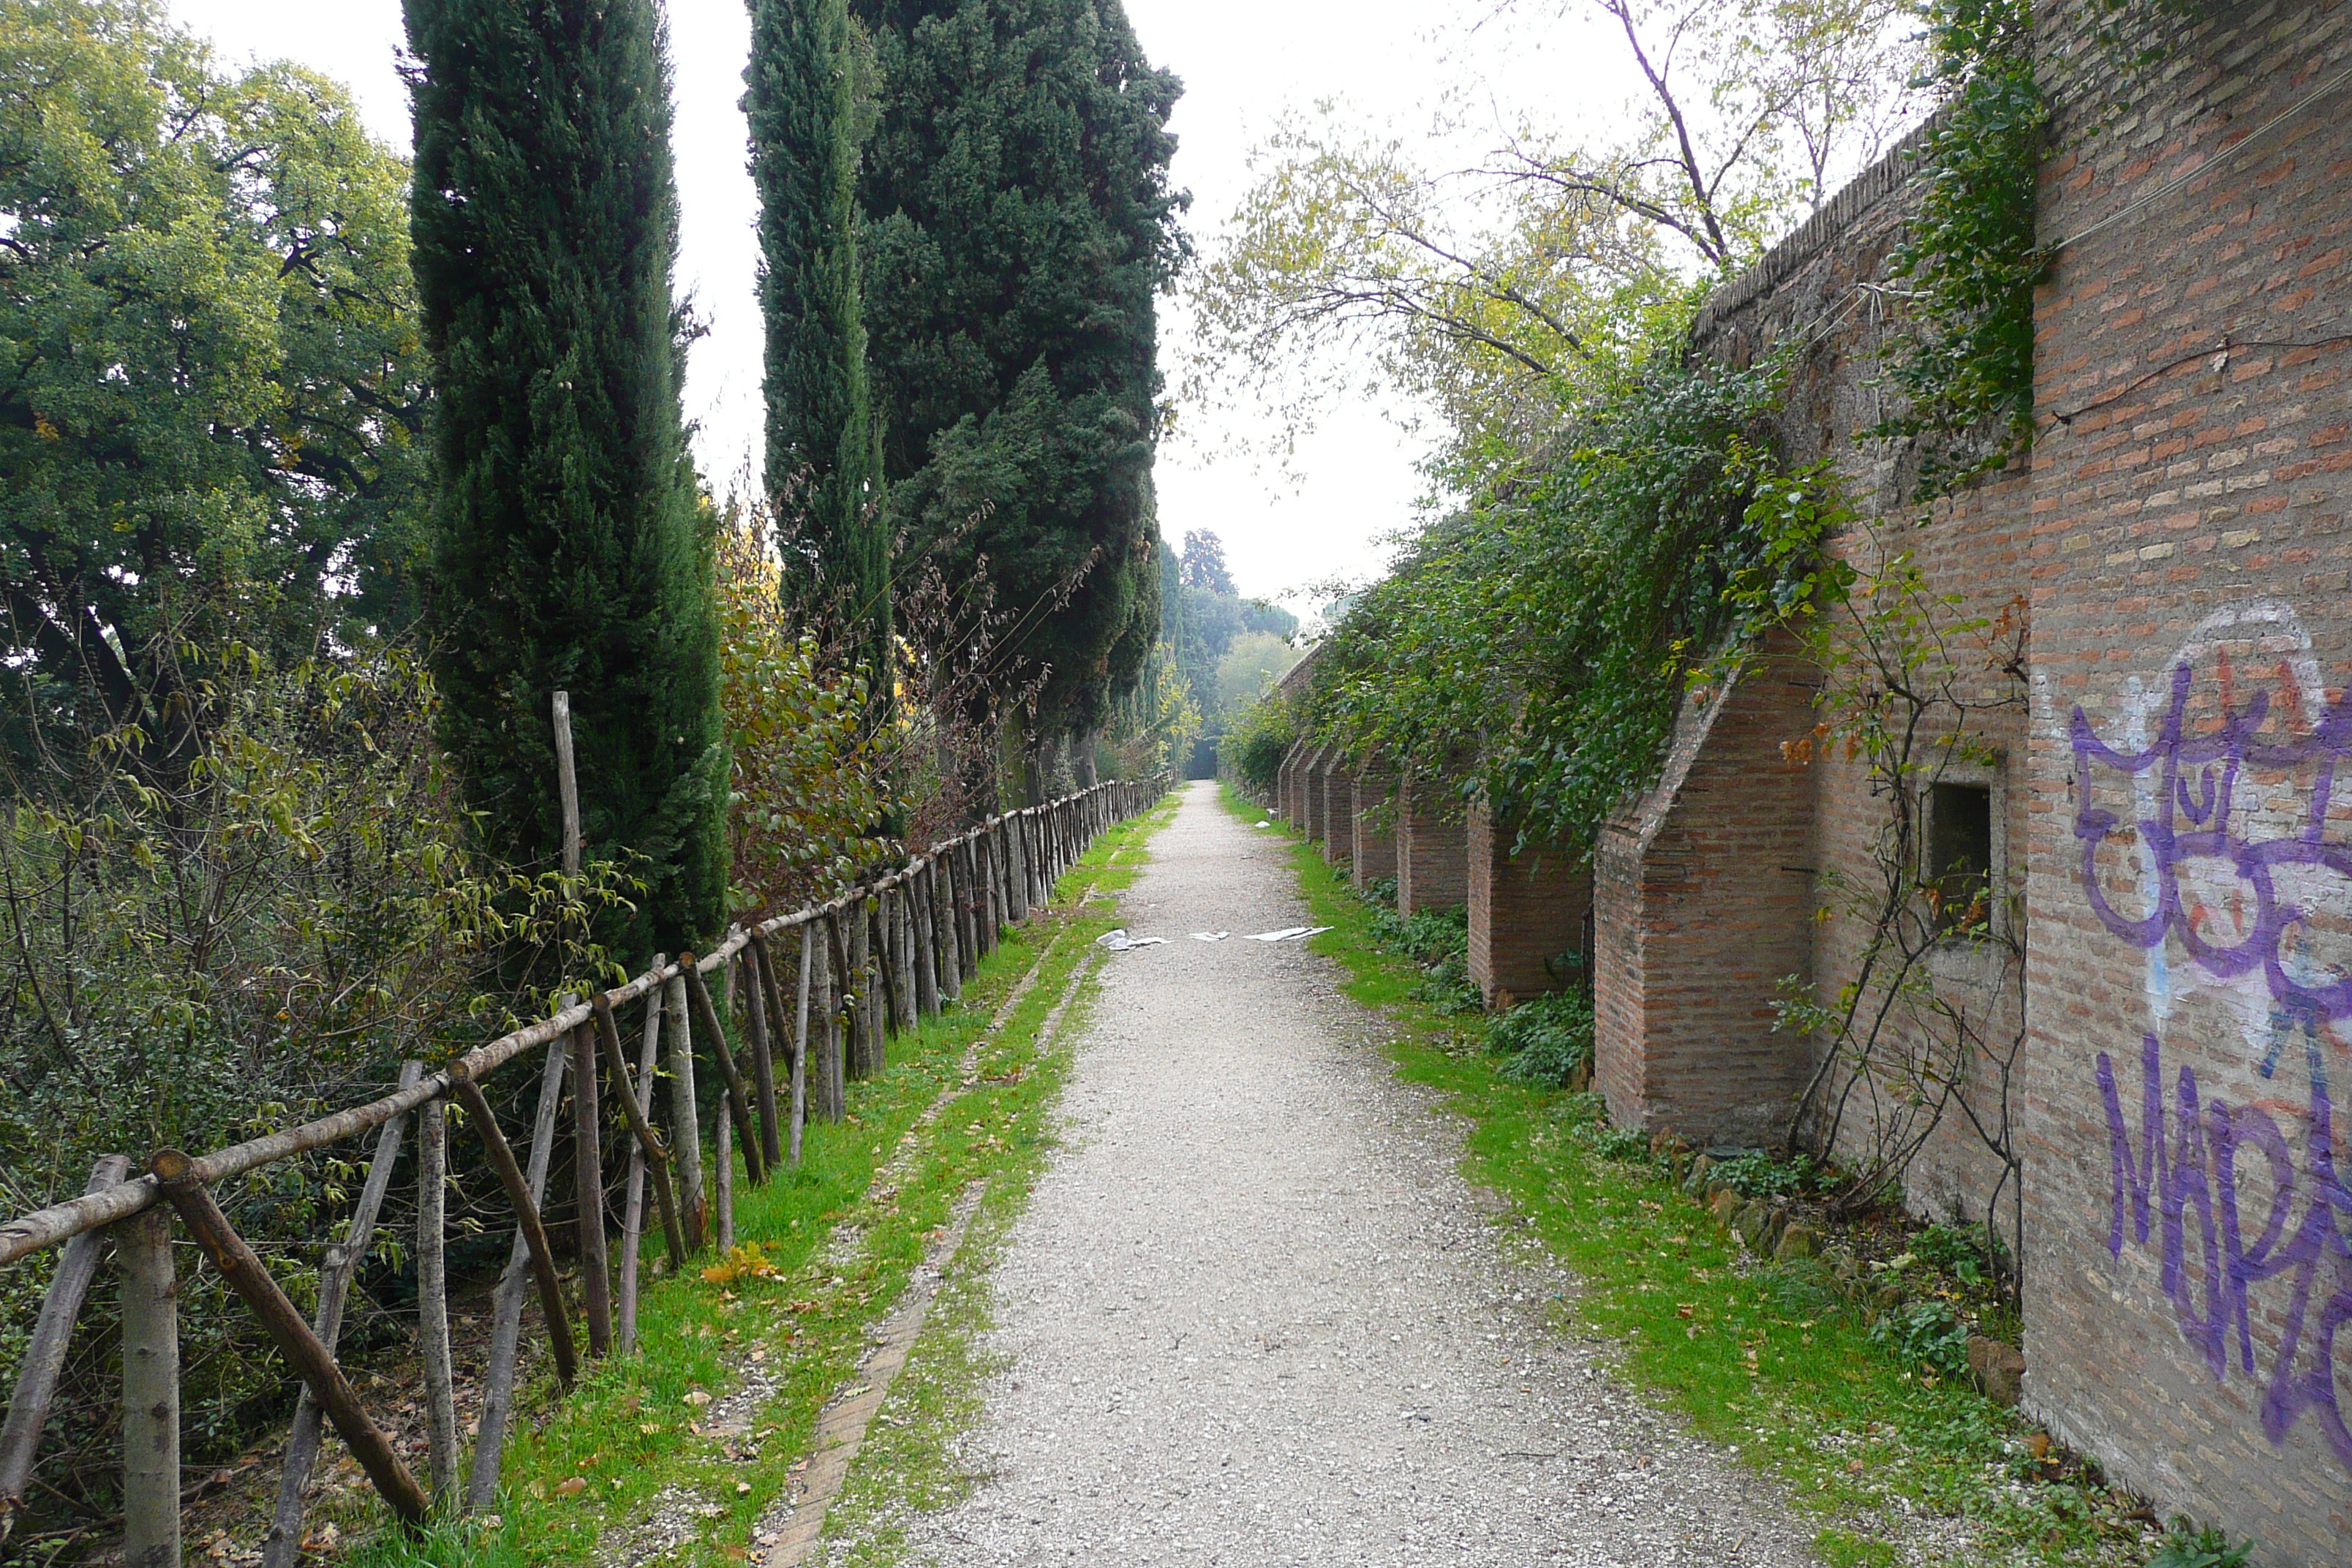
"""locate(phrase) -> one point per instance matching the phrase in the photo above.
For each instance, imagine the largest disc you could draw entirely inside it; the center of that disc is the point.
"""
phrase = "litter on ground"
(1211, 935)
(1290, 933)
(1120, 941)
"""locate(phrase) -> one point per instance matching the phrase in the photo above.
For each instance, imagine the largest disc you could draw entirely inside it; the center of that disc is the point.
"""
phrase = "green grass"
(624, 1430)
(1765, 1360)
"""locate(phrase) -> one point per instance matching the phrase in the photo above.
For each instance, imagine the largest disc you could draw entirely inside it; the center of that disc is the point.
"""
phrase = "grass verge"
(588, 1469)
(1767, 1360)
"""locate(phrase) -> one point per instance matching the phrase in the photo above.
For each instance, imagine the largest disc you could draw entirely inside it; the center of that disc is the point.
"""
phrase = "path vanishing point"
(1254, 1316)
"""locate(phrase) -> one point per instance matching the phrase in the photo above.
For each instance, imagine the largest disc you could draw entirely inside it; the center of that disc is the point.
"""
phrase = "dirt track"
(1256, 1317)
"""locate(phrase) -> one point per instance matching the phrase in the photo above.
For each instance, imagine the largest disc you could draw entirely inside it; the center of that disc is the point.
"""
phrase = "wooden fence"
(863, 967)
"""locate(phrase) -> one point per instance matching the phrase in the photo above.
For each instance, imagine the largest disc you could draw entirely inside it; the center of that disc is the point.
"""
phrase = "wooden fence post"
(800, 1046)
(588, 1189)
(1016, 869)
(151, 1391)
(837, 1015)
(685, 1116)
(243, 1273)
(738, 1092)
(763, 1056)
(283, 1543)
(632, 1110)
(524, 1260)
(902, 956)
(45, 1358)
(633, 1207)
(724, 1180)
(433, 1300)
(924, 943)
(861, 937)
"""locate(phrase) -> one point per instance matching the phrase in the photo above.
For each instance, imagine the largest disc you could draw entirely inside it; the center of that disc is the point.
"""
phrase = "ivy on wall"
(1965, 368)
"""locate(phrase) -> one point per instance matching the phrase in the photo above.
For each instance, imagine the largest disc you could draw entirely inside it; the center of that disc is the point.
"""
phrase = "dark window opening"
(1960, 853)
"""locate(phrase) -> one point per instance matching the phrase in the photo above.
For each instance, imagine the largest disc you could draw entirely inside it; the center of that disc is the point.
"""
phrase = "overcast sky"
(1244, 63)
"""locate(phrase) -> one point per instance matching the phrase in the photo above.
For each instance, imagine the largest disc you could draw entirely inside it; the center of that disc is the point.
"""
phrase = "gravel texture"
(1254, 1315)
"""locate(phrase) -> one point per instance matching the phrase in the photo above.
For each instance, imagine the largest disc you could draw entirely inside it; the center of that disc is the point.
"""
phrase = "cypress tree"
(823, 468)
(571, 549)
(1019, 226)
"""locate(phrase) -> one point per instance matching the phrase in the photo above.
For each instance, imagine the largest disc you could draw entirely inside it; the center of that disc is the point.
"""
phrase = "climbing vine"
(1552, 630)
(1966, 365)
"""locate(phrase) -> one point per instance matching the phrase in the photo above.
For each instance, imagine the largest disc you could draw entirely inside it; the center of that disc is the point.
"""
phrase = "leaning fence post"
(632, 1110)
(633, 1207)
(433, 1299)
(685, 1118)
(283, 1543)
(760, 1028)
(151, 1391)
(45, 1358)
(523, 1260)
(243, 1273)
(738, 1092)
(588, 1189)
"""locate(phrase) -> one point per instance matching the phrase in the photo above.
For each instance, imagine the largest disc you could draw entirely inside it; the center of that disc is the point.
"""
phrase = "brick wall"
(1311, 797)
(2191, 855)
(1526, 912)
(1431, 846)
(1374, 825)
(1701, 898)
(1338, 807)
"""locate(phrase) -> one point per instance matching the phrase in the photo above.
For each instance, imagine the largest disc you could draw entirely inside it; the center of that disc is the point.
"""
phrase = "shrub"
(1757, 1174)
(2188, 1546)
(1255, 742)
(1930, 1331)
(1545, 1039)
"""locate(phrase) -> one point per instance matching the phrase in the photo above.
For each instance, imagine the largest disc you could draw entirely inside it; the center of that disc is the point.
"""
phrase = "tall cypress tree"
(1020, 223)
(823, 467)
(570, 550)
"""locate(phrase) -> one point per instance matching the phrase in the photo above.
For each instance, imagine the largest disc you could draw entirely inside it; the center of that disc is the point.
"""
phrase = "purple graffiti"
(2190, 1180)
(2191, 786)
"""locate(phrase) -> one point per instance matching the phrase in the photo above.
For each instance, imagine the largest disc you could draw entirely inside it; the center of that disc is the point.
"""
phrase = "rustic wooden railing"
(869, 964)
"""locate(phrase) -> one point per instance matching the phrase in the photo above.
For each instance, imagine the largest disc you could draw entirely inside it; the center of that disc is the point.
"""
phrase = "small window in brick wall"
(1960, 852)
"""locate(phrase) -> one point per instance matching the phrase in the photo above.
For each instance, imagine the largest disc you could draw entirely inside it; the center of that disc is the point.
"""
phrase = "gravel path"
(1256, 1317)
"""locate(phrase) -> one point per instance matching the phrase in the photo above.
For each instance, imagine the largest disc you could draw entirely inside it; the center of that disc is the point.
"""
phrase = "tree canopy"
(805, 101)
(569, 552)
(212, 387)
(1019, 226)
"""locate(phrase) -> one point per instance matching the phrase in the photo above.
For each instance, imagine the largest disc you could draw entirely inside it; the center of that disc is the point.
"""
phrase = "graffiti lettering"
(2200, 1177)
(2202, 819)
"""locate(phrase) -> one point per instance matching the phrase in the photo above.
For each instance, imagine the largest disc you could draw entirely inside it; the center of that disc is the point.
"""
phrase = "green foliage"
(811, 67)
(1964, 362)
(1439, 941)
(211, 382)
(1930, 1332)
(1545, 1038)
(568, 553)
(1256, 741)
(1019, 223)
(259, 943)
(1553, 627)
(805, 787)
(1757, 1174)
(2189, 1545)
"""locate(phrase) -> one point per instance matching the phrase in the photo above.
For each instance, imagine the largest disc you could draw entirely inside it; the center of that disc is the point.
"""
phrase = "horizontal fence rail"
(868, 964)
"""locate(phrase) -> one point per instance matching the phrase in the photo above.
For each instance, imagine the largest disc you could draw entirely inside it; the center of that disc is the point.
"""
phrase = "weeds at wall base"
(1900, 1463)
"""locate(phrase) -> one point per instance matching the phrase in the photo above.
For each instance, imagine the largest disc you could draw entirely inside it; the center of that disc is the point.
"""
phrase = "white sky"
(1244, 63)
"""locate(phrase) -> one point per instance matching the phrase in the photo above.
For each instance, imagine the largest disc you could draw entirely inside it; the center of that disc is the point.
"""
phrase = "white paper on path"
(1120, 941)
(1211, 935)
(1290, 933)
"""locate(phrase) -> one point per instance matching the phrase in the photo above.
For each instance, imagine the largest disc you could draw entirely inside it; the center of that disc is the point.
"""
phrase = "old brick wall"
(1339, 808)
(2188, 1281)
(1431, 845)
(1312, 799)
(1526, 912)
(1372, 813)
(1701, 898)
